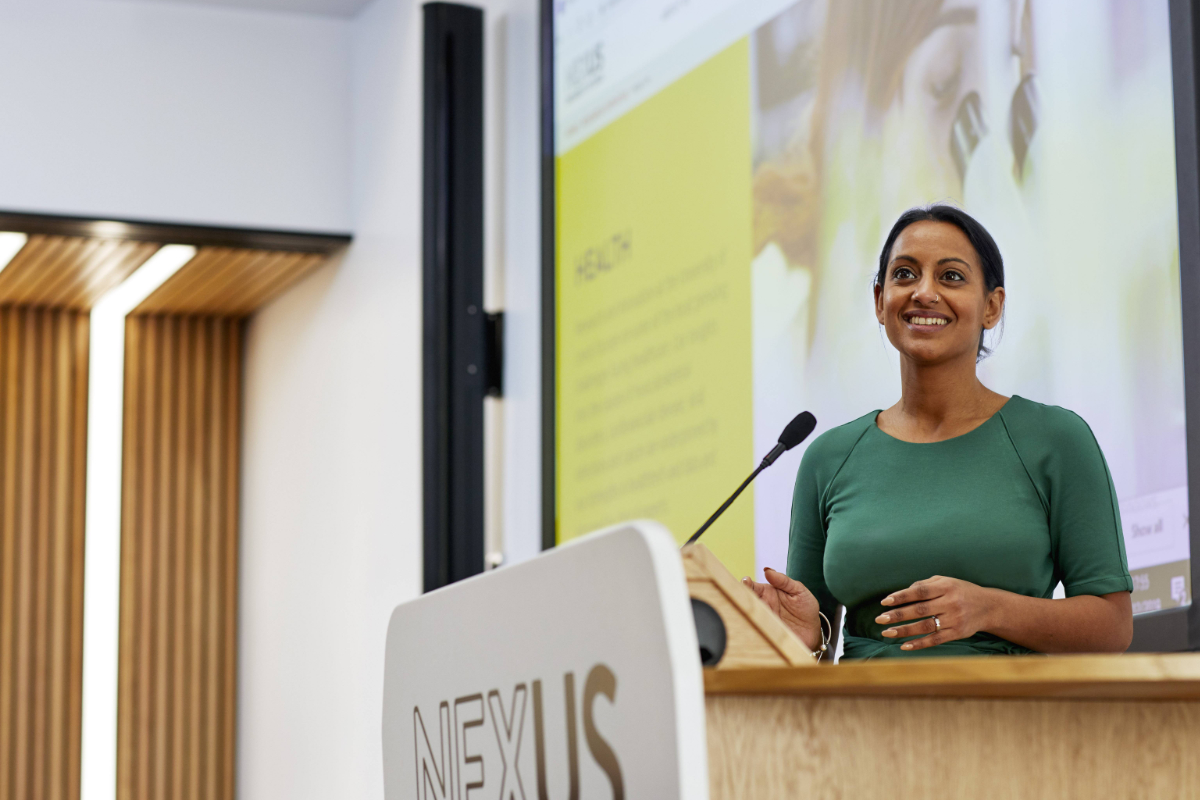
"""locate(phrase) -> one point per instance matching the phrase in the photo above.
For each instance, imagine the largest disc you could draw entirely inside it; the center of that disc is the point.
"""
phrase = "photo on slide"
(1050, 123)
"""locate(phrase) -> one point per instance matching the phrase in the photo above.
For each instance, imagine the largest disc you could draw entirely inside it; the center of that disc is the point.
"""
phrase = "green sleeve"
(806, 539)
(1066, 463)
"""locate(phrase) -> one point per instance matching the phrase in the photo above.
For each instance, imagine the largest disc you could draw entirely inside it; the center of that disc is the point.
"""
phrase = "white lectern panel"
(573, 676)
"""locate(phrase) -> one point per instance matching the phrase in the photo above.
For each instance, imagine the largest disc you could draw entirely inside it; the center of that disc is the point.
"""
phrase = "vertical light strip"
(493, 485)
(102, 554)
(10, 244)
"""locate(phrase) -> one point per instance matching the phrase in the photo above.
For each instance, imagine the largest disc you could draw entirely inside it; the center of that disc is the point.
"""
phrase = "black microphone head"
(797, 430)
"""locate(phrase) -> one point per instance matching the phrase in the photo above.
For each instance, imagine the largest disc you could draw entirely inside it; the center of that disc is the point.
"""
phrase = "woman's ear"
(994, 308)
(878, 303)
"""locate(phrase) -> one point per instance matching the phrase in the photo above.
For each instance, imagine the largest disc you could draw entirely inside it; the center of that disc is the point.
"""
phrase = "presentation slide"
(726, 173)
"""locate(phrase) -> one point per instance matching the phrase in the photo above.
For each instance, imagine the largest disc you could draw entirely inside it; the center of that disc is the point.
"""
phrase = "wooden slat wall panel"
(229, 281)
(43, 418)
(179, 545)
(69, 271)
(176, 693)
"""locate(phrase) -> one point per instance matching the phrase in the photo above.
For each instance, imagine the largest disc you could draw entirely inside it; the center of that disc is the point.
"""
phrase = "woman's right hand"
(792, 603)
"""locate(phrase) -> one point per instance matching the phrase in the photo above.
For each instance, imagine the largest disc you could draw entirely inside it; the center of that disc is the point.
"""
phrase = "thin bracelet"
(824, 638)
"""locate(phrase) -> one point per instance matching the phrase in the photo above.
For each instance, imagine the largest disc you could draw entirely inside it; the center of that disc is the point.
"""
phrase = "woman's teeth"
(927, 320)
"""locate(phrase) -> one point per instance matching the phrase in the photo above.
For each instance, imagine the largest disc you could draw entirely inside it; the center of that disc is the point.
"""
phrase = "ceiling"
(73, 272)
(70, 262)
(333, 8)
(69, 271)
(229, 281)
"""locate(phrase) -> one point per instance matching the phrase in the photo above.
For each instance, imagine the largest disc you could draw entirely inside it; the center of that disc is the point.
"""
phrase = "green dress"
(1020, 503)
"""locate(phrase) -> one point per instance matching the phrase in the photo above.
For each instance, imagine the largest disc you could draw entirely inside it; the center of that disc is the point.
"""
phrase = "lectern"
(577, 675)
(752, 635)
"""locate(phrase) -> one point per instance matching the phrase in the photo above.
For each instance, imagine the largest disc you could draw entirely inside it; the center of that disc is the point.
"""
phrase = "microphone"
(796, 432)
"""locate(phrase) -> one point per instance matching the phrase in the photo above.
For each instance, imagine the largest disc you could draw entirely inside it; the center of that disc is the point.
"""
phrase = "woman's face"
(934, 300)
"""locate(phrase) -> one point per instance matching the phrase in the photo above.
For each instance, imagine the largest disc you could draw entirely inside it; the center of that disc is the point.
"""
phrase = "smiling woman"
(964, 254)
(958, 510)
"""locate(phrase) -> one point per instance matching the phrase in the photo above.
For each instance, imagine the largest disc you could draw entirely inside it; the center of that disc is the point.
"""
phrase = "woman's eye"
(952, 275)
(902, 274)
(945, 90)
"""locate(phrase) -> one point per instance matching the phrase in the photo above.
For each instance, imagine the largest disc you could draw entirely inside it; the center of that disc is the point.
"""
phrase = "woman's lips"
(926, 322)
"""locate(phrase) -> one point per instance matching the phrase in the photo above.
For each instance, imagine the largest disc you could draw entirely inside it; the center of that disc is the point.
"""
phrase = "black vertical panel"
(1179, 629)
(454, 369)
(549, 300)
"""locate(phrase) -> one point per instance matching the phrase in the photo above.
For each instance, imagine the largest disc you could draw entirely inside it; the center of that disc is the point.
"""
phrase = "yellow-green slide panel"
(654, 385)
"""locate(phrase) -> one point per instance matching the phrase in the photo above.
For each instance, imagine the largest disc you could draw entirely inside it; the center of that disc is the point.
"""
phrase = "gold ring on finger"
(937, 623)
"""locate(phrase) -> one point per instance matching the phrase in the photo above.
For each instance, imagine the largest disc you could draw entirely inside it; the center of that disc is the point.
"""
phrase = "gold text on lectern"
(446, 770)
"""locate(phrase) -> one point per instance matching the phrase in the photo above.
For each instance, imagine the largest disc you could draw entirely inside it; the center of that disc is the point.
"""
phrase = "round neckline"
(875, 425)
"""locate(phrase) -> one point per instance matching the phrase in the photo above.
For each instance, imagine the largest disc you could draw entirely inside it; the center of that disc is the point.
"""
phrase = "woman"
(944, 523)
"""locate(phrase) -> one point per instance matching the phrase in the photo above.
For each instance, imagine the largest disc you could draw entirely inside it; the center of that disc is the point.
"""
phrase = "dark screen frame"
(1179, 628)
(1163, 631)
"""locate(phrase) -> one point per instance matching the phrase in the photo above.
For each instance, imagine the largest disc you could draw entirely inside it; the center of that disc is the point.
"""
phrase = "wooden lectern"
(1003, 726)
(755, 637)
(577, 674)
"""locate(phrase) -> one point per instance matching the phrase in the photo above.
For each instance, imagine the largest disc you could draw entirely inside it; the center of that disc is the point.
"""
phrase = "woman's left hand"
(961, 608)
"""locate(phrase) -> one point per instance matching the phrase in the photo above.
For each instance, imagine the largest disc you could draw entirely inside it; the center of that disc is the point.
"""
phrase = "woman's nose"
(925, 293)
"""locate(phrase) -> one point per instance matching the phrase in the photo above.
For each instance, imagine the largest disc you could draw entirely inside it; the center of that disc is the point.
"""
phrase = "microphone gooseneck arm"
(728, 502)
(770, 457)
(796, 432)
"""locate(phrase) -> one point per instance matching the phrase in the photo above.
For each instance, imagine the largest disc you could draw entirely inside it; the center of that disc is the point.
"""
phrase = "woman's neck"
(940, 401)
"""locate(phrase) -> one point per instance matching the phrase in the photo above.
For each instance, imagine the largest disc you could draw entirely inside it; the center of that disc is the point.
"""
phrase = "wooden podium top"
(1112, 677)
(763, 657)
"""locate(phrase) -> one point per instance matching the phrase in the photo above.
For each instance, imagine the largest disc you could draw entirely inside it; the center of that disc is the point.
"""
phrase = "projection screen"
(723, 175)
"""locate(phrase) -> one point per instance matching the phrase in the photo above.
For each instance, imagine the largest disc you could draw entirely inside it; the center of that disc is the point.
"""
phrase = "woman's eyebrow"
(952, 258)
(955, 16)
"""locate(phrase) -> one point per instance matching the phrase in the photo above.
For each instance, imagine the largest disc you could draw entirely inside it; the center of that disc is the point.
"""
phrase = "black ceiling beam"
(172, 233)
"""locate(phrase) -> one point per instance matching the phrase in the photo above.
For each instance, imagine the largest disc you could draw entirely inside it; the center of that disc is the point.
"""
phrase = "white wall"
(160, 111)
(515, 268)
(163, 111)
(332, 457)
(331, 491)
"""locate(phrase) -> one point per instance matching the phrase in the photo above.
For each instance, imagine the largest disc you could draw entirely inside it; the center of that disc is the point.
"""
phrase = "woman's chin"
(929, 354)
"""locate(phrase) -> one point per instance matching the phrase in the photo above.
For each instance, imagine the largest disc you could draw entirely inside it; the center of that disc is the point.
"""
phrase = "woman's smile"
(925, 321)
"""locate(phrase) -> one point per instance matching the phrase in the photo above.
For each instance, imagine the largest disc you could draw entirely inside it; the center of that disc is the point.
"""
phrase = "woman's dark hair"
(977, 235)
